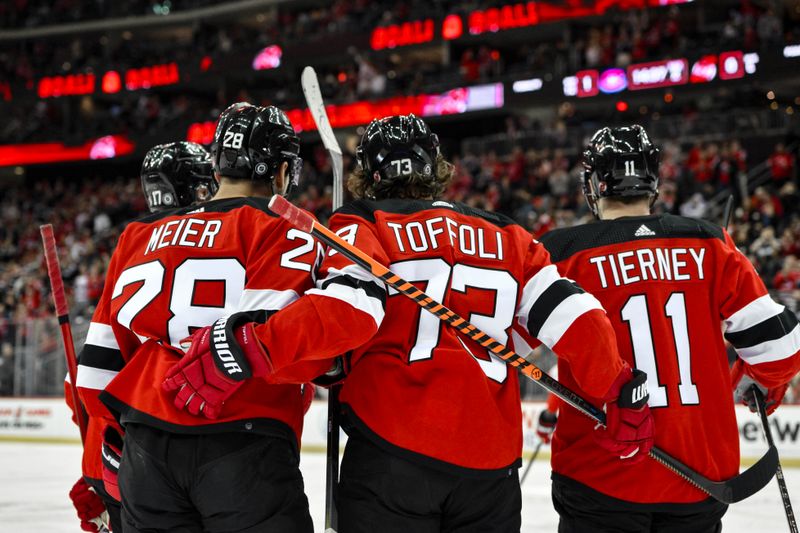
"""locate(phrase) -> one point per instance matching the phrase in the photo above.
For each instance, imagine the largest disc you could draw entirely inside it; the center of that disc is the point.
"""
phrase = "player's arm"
(341, 313)
(764, 333)
(573, 324)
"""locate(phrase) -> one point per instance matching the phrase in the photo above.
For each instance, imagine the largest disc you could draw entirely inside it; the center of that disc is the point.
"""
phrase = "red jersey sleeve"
(101, 358)
(765, 334)
(280, 267)
(563, 316)
(343, 312)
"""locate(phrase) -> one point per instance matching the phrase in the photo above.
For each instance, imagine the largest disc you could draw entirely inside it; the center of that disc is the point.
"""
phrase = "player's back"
(176, 271)
(419, 384)
(667, 284)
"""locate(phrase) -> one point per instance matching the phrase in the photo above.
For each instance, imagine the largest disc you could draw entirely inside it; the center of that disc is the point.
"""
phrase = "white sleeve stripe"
(353, 271)
(357, 298)
(101, 335)
(753, 313)
(266, 299)
(94, 378)
(774, 350)
(535, 287)
(520, 344)
(564, 315)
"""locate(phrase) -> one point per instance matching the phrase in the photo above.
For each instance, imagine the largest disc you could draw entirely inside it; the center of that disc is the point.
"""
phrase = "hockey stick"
(730, 491)
(62, 313)
(530, 463)
(727, 212)
(787, 503)
(316, 106)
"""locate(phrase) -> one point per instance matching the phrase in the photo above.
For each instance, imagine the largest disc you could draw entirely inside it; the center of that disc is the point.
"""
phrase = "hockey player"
(179, 270)
(177, 174)
(434, 421)
(668, 283)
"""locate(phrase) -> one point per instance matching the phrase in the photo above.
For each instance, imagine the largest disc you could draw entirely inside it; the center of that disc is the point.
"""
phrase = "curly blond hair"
(413, 187)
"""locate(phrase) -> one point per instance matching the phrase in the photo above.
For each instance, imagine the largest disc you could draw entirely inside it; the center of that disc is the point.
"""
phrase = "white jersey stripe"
(265, 299)
(773, 350)
(101, 335)
(94, 378)
(357, 298)
(353, 271)
(564, 315)
(534, 288)
(753, 313)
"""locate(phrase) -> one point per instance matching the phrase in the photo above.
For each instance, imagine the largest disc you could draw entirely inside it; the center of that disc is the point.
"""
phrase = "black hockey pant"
(584, 510)
(382, 493)
(227, 482)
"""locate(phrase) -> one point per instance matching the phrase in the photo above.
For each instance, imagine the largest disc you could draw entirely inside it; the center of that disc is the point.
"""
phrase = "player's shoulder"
(225, 205)
(563, 243)
(368, 209)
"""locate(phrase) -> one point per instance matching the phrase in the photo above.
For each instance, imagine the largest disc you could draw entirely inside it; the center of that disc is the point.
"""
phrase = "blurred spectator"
(781, 165)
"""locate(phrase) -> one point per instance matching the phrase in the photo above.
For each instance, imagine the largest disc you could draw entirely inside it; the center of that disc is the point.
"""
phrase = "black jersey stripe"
(557, 292)
(101, 357)
(371, 288)
(770, 329)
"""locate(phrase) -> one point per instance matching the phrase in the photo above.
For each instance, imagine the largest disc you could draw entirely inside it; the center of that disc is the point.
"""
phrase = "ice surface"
(35, 480)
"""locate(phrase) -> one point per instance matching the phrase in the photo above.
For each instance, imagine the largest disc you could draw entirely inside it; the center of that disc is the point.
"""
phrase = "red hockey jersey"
(672, 286)
(416, 386)
(176, 271)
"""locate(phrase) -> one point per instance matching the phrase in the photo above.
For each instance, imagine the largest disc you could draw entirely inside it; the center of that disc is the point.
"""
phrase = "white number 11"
(636, 314)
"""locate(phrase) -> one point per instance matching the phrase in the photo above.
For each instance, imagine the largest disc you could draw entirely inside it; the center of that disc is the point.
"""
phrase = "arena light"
(454, 101)
(68, 85)
(658, 74)
(268, 58)
(452, 27)
(612, 81)
(30, 154)
(201, 132)
(405, 34)
(527, 86)
(704, 69)
(793, 50)
(151, 76)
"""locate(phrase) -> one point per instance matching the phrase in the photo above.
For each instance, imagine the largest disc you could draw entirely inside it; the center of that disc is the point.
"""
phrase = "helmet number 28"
(233, 140)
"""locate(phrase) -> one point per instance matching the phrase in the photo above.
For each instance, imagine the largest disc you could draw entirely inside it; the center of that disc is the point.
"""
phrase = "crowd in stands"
(631, 36)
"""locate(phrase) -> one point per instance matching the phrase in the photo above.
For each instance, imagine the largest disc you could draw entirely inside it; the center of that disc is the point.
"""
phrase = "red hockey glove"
(743, 390)
(112, 454)
(629, 430)
(88, 504)
(220, 358)
(546, 426)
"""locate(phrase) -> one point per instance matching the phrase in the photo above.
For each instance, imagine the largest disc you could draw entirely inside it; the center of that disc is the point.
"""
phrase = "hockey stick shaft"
(316, 106)
(787, 503)
(530, 463)
(62, 313)
(725, 491)
(727, 212)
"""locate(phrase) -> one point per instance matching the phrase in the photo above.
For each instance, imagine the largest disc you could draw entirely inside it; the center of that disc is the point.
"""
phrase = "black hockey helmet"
(252, 142)
(395, 148)
(177, 175)
(620, 162)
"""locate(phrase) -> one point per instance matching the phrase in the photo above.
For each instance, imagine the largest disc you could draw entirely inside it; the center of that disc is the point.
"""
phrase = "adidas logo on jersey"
(644, 231)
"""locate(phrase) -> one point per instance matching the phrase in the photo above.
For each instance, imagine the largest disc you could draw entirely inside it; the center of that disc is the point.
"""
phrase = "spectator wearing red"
(781, 165)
